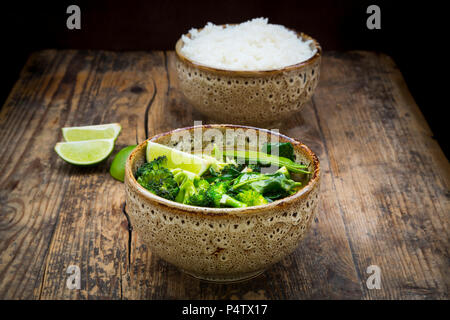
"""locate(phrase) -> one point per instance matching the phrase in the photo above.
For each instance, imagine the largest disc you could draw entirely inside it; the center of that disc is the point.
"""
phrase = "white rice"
(252, 45)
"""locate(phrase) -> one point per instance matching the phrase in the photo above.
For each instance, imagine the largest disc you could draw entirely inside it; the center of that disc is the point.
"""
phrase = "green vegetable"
(226, 183)
(266, 159)
(247, 178)
(181, 176)
(154, 177)
(254, 167)
(251, 197)
(284, 171)
(273, 186)
(282, 149)
(200, 198)
(192, 188)
(214, 163)
(185, 180)
(229, 201)
(217, 193)
(187, 189)
(229, 172)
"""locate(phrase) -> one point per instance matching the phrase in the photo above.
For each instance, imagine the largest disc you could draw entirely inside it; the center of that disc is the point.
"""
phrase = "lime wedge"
(85, 153)
(117, 169)
(102, 131)
(214, 163)
(177, 158)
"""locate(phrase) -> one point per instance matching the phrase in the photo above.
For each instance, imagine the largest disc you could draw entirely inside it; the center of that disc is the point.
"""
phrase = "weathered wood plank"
(385, 197)
(32, 186)
(93, 232)
(78, 209)
(390, 176)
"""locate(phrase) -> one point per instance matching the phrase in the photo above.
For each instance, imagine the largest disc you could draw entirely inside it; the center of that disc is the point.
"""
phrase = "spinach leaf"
(284, 149)
(273, 186)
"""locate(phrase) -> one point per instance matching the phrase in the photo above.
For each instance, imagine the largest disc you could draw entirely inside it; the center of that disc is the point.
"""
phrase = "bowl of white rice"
(253, 73)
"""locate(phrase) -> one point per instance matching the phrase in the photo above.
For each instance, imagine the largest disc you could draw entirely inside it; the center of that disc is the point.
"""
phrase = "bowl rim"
(251, 73)
(131, 182)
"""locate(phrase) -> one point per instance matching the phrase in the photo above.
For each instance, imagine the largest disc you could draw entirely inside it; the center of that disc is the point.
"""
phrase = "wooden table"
(384, 199)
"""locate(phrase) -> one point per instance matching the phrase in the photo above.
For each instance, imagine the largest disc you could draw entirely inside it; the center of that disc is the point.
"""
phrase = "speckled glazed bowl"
(221, 244)
(248, 97)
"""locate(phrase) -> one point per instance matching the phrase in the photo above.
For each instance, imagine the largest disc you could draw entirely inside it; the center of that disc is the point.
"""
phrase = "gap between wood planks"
(124, 211)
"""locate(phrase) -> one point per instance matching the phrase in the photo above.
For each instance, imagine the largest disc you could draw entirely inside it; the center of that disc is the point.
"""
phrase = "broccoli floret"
(202, 185)
(187, 189)
(154, 177)
(181, 176)
(152, 165)
(251, 198)
(192, 188)
(200, 198)
(185, 180)
(217, 194)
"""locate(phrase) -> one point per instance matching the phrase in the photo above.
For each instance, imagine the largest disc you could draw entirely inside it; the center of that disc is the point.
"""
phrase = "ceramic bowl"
(221, 244)
(256, 98)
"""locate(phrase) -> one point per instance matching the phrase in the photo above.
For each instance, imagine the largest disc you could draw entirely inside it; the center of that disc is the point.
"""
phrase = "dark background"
(411, 33)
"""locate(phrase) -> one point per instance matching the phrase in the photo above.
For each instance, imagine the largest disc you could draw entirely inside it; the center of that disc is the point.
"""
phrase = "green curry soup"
(240, 179)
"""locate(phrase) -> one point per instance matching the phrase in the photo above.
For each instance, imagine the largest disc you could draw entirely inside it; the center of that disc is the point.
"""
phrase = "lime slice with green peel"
(177, 158)
(102, 131)
(117, 169)
(85, 153)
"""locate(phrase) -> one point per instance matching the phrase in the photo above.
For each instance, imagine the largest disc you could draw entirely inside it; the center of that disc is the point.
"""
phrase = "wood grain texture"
(384, 195)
